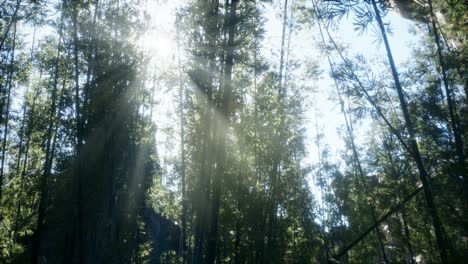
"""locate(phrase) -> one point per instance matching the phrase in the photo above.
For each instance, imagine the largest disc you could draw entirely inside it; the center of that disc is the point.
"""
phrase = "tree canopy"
(151, 131)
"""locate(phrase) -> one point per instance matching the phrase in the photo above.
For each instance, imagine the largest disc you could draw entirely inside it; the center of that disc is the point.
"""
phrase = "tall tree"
(413, 145)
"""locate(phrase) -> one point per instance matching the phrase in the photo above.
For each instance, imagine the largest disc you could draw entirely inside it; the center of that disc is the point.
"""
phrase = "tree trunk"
(10, 23)
(275, 177)
(24, 165)
(78, 180)
(355, 155)
(206, 159)
(223, 130)
(401, 189)
(413, 145)
(451, 104)
(43, 191)
(7, 113)
(362, 178)
(182, 149)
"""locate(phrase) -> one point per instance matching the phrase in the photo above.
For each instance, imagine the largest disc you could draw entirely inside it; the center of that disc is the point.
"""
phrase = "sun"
(160, 45)
(160, 40)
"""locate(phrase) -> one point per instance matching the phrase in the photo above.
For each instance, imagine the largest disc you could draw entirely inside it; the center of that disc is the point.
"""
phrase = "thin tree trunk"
(276, 166)
(360, 169)
(23, 124)
(320, 184)
(24, 132)
(221, 146)
(35, 251)
(7, 113)
(463, 79)
(206, 159)
(10, 23)
(362, 88)
(237, 240)
(407, 233)
(362, 179)
(182, 149)
(451, 104)
(79, 139)
(415, 149)
(401, 188)
(283, 37)
(26, 157)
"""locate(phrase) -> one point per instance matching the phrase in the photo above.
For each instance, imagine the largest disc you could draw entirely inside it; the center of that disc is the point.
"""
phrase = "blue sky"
(303, 48)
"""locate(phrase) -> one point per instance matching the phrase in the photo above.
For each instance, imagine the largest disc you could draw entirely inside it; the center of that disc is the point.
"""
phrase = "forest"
(233, 131)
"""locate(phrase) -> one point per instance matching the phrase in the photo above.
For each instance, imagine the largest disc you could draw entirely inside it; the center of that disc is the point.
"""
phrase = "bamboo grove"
(83, 180)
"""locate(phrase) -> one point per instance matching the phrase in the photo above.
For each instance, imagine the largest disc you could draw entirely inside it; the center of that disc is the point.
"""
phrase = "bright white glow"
(159, 41)
(160, 45)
